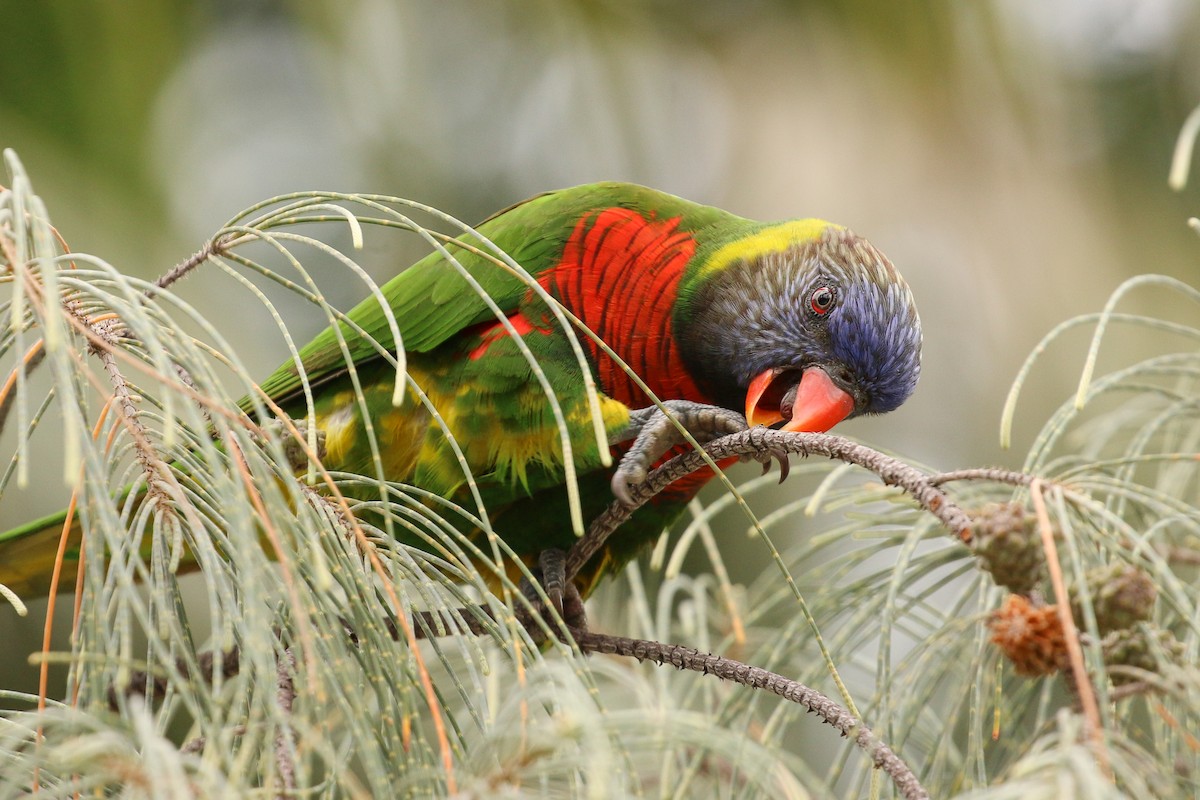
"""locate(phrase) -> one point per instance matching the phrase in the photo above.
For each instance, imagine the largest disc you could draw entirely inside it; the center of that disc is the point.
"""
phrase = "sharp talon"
(573, 610)
(625, 478)
(620, 489)
(767, 457)
(553, 564)
(563, 596)
(785, 467)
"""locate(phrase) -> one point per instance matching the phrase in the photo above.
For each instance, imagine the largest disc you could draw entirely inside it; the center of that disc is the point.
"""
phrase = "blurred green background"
(1009, 155)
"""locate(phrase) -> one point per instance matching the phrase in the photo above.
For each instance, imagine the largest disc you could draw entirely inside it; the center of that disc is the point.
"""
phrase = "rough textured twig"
(211, 248)
(687, 658)
(154, 686)
(103, 336)
(198, 743)
(285, 746)
(104, 333)
(429, 624)
(993, 474)
(765, 443)
(154, 467)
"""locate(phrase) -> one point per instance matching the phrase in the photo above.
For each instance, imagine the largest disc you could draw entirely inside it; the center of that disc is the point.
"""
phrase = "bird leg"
(294, 449)
(551, 573)
(654, 433)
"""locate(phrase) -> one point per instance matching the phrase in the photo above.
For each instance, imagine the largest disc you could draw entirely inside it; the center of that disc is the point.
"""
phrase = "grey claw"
(565, 601)
(552, 565)
(621, 482)
(771, 456)
(653, 434)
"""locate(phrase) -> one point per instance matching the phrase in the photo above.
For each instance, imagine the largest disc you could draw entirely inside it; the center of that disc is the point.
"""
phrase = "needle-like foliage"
(1048, 641)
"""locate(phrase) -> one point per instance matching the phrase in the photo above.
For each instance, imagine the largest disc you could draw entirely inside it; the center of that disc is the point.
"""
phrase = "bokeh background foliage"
(1009, 156)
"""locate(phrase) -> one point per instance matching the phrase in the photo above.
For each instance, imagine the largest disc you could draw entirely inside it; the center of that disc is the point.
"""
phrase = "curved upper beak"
(818, 402)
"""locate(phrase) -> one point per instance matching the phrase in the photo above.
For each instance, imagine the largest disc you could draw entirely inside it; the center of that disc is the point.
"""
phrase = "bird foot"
(295, 449)
(654, 433)
(767, 457)
(564, 597)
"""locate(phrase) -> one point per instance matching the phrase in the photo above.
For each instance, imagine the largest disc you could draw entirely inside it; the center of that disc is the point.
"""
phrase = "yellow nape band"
(772, 239)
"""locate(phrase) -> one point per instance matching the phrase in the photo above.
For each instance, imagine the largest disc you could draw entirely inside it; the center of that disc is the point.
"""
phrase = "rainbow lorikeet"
(797, 324)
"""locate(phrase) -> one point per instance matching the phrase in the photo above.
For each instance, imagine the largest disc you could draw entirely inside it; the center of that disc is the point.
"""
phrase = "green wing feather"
(432, 301)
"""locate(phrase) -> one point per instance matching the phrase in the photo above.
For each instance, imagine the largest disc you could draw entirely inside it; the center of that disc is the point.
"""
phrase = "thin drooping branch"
(211, 247)
(687, 658)
(285, 744)
(993, 474)
(763, 443)
(472, 620)
(153, 465)
(104, 331)
(153, 686)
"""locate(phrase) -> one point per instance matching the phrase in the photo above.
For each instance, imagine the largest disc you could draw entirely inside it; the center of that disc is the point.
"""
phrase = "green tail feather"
(27, 556)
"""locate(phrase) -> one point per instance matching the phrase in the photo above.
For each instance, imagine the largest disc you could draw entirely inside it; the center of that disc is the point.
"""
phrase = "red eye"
(821, 300)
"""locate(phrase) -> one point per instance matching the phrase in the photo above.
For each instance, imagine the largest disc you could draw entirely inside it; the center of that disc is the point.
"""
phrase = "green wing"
(432, 300)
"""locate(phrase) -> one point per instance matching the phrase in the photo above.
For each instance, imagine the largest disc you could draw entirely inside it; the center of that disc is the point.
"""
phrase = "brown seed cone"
(1007, 543)
(1122, 596)
(1030, 636)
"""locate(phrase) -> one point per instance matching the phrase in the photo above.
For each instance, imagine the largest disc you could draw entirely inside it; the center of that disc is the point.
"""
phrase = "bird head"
(802, 324)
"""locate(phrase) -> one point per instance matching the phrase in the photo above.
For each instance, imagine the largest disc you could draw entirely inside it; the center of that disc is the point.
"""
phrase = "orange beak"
(818, 406)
